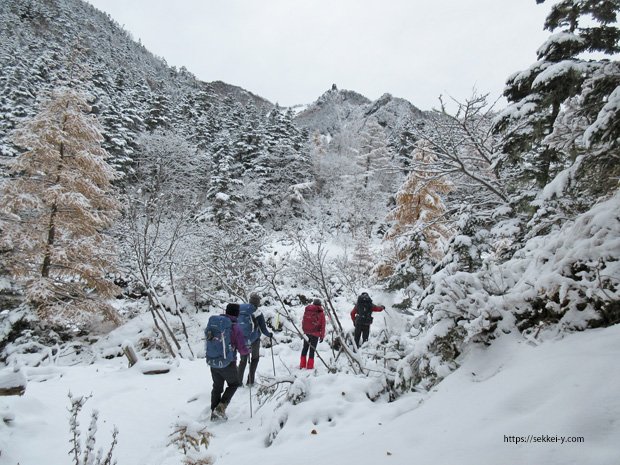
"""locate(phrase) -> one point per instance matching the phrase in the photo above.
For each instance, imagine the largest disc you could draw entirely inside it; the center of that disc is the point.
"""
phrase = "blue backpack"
(246, 322)
(219, 350)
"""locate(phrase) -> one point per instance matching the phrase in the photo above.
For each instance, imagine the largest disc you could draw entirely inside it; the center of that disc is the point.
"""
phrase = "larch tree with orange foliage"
(419, 227)
(56, 212)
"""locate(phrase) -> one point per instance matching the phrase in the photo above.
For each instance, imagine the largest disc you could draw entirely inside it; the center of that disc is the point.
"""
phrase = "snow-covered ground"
(560, 389)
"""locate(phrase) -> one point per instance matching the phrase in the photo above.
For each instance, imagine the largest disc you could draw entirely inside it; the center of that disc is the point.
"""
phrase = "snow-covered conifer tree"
(224, 189)
(537, 95)
(405, 144)
(158, 116)
(281, 162)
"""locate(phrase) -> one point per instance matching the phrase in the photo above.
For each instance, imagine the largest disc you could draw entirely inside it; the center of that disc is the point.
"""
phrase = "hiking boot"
(302, 362)
(219, 412)
(310, 365)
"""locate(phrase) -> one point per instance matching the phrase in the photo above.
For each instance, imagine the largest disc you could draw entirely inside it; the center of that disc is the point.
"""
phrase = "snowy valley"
(138, 201)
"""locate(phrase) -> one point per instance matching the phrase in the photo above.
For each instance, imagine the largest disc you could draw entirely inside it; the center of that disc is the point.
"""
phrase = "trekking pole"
(273, 362)
(251, 413)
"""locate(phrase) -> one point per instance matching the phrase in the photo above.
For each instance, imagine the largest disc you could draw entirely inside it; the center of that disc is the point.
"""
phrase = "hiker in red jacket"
(362, 317)
(313, 326)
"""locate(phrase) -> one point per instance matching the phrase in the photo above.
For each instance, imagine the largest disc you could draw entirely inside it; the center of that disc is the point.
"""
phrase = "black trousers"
(254, 356)
(227, 375)
(361, 331)
(314, 340)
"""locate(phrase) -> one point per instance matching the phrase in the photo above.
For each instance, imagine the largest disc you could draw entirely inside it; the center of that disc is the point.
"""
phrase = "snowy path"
(561, 388)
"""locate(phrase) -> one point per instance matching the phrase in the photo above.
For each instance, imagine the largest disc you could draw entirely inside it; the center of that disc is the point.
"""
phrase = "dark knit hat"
(255, 299)
(232, 309)
(316, 302)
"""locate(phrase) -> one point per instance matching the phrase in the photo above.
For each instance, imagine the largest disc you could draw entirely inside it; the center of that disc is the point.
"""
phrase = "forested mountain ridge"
(237, 142)
(50, 43)
(134, 93)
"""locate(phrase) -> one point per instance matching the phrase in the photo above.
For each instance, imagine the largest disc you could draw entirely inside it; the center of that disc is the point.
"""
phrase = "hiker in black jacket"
(362, 317)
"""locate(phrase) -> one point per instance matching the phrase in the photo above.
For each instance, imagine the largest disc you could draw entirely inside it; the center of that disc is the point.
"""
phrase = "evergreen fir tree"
(250, 138)
(538, 94)
(225, 192)
(123, 124)
(281, 162)
(158, 116)
(17, 88)
(405, 145)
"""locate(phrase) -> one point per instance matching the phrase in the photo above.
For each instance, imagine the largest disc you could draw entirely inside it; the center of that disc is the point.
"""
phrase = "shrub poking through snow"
(84, 454)
(189, 437)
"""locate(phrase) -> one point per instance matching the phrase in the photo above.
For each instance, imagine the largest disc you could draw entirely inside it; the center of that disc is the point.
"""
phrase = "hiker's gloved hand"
(270, 335)
(321, 340)
(383, 307)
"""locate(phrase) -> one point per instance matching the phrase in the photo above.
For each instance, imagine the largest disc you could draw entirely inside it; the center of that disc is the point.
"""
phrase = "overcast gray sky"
(291, 51)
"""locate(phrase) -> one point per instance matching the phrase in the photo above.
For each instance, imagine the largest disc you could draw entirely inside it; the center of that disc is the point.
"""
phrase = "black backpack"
(364, 310)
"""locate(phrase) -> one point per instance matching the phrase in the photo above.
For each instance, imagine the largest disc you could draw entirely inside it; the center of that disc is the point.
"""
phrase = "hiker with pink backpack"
(313, 326)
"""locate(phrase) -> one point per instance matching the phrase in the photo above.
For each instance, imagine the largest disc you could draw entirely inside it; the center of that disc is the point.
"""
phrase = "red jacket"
(375, 308)
(313, 323)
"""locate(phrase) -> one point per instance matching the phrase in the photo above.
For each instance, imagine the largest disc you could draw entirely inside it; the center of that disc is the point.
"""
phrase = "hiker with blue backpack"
(362, 317)
(224, 340)
(252, 324)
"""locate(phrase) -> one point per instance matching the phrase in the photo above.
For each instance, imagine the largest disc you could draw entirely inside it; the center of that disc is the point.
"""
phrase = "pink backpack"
(311, 322)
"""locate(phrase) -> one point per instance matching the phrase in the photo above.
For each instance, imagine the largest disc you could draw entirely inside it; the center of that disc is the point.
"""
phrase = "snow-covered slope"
(126, 81)
(544, 393)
